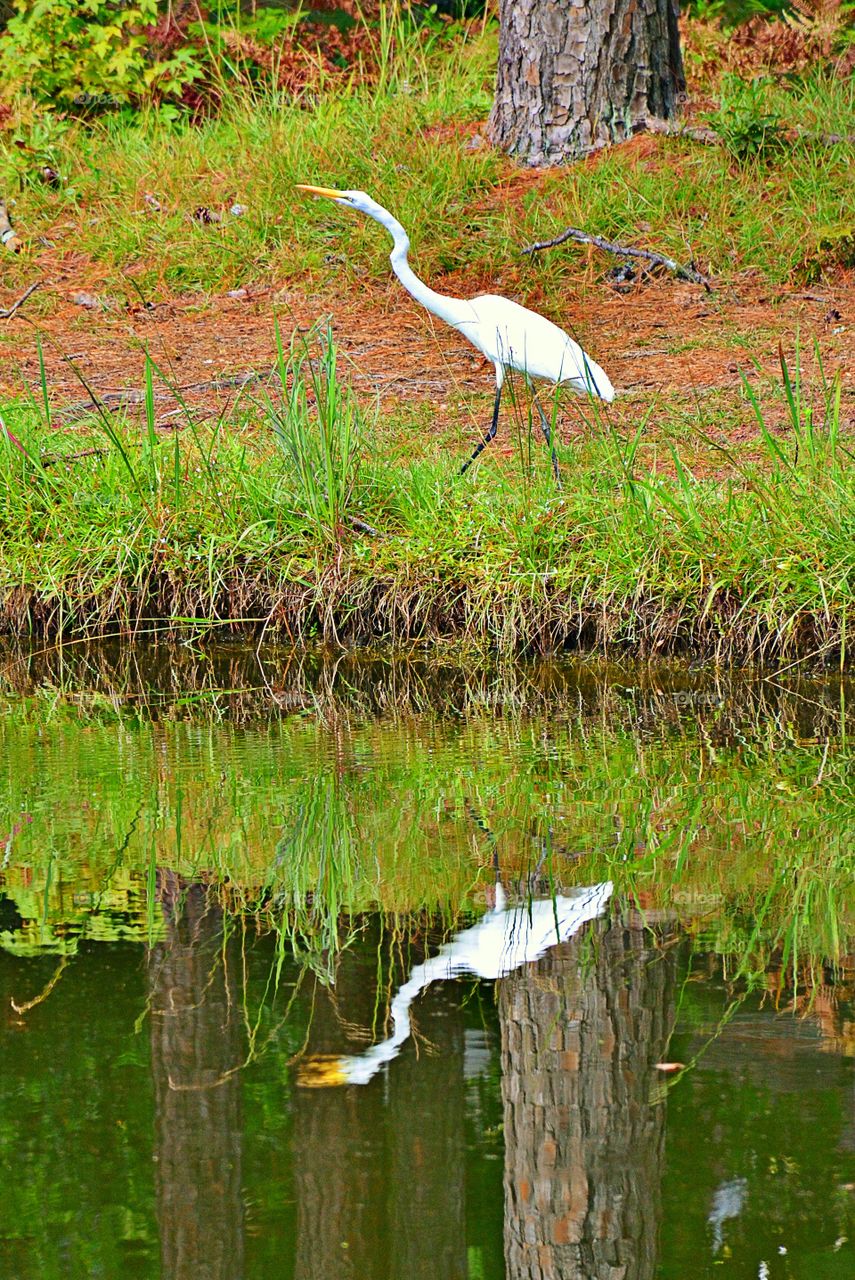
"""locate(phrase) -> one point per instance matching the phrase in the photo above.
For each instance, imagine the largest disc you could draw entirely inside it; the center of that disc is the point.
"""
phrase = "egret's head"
(350, 199)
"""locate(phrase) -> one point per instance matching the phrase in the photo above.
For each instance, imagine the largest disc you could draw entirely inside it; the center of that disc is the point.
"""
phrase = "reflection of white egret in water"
(503, 940)
(728, 1202)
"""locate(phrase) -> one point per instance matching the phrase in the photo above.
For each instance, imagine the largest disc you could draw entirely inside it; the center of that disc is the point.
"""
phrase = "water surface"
(220, 870)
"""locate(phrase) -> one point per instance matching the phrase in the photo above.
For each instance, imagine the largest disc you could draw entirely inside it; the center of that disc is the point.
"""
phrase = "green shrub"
(90, 53)
(732, 12)
(747, 123)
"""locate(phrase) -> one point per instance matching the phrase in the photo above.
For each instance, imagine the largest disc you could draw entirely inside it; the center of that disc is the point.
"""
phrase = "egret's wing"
(518, 338)
(502, 941)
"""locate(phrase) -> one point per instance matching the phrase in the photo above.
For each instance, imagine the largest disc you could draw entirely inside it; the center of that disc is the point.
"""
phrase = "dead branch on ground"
(111, 401)
(702, 133)
(622, 251)
(51, 459)
(10, 311)
(360, 526)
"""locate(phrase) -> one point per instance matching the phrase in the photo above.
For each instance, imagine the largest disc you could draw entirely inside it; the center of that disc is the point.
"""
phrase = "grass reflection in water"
(288, 853)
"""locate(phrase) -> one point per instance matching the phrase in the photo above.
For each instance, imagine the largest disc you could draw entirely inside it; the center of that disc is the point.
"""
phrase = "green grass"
(781, 214)
(663, 538)
(265, 528)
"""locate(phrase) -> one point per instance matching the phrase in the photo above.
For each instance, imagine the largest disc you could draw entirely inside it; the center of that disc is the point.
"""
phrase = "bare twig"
(622, 251)
(359, 526)
(222, 384)
(51, 459)
(10, 311)
(112, 400)
(108, 402)
(697, 133)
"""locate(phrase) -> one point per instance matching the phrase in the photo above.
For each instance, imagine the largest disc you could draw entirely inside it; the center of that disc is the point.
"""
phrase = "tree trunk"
(339, 1143)
(427, 1140)
(575, 76)
(584, 1131)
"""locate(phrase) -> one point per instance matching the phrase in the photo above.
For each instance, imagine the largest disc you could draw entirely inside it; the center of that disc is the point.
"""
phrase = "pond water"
(365, 968)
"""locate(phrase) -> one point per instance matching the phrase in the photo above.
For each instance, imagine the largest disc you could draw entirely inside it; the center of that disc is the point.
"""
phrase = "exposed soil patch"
(661, 339)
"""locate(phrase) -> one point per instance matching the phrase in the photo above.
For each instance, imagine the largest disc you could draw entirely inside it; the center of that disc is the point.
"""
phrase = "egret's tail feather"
(321, 1071)
(594, 381)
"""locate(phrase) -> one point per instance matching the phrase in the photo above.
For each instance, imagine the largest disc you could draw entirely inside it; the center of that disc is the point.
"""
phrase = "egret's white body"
(509, 335)
(503, 940)
(515, 338)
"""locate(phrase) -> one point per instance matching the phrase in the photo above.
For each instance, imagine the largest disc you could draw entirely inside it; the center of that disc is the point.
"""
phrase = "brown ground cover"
(661, 342)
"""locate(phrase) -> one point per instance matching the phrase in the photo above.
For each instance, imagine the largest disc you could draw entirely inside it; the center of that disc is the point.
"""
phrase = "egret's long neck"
(453, 311)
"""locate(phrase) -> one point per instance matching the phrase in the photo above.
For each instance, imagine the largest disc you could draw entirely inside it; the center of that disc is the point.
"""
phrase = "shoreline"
(344, 607)
(311, 520)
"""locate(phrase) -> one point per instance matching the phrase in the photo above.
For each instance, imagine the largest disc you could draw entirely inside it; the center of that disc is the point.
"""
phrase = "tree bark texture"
(584, 1133)
(574, 76)
(427, 1115)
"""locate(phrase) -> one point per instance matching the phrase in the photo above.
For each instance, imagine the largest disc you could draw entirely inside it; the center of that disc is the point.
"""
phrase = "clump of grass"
(211, 526)
(318, 422)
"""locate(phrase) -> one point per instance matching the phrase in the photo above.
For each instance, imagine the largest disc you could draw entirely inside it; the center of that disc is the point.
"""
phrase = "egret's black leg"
(489, 436)
(548, 436)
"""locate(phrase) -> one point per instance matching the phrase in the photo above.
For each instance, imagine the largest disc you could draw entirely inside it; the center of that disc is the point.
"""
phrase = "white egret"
(510, 336)
(503, 940)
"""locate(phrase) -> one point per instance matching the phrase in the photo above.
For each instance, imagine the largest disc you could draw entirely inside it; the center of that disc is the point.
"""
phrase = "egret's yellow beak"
(320, 191)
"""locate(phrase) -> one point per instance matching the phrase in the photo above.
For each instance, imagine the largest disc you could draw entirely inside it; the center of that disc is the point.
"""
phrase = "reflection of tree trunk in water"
(426, 1135)
(338, 1144)
(379, 1168)
(581, 1032)
(195, 1040)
